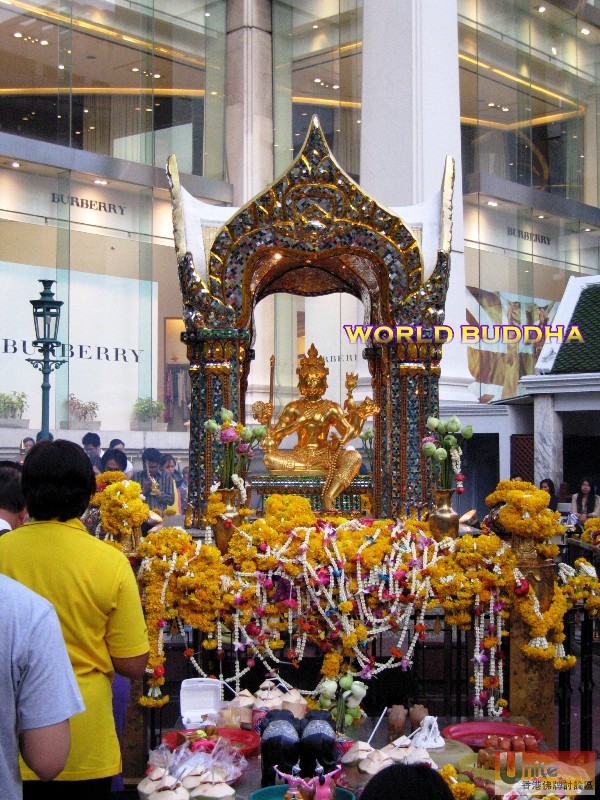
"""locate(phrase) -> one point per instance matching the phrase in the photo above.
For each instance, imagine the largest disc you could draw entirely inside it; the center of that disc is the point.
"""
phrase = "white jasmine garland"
(240, 485)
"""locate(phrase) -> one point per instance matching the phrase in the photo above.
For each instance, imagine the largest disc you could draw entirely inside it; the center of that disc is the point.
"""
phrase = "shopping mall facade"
(94, 97)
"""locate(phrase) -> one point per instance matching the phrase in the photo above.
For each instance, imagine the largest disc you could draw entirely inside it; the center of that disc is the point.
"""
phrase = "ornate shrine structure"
(314, 232)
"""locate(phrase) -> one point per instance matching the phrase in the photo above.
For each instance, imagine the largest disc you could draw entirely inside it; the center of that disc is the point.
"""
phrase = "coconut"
(207, 791)
(191, 781)
(271, 698)
(151, 782)
(401, 741)
(358, 752)
(374, 762)
(146, 787)
(294, 702)
(245, 700)
(176, 793)
(409, 755)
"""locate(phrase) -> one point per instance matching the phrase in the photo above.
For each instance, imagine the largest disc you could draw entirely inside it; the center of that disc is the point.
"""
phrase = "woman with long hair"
(547, 484)
(586, 503)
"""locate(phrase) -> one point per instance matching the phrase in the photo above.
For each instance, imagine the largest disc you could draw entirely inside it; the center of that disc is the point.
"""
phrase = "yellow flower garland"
(291, 579)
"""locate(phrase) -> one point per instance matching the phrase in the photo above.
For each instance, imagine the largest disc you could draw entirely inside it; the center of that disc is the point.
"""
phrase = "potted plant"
(82, 414)
(12, 407)
(146, 412)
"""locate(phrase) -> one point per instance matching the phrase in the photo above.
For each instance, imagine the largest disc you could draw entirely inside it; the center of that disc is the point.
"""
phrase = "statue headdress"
(314, 364)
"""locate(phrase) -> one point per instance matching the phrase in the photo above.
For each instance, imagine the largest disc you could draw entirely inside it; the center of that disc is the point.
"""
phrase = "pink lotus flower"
(228, 435)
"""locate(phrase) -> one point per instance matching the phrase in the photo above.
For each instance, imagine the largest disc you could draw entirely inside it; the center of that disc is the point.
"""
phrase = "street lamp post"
(46, 316)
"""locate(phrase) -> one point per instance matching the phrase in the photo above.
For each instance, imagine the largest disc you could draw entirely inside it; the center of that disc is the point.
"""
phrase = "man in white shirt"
(38, 691)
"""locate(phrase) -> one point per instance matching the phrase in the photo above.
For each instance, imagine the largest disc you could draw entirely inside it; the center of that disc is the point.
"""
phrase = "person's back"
(94, 591)
(36, 701)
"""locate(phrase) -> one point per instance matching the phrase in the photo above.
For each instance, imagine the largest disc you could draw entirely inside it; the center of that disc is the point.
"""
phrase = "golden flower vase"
(226, 523)
(130, 543)
(443, 519)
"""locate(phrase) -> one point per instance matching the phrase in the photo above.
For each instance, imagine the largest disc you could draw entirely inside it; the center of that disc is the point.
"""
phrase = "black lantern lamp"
(46, 317)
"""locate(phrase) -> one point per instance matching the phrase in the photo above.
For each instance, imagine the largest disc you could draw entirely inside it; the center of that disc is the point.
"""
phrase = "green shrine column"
(217, 358)
(413, 379)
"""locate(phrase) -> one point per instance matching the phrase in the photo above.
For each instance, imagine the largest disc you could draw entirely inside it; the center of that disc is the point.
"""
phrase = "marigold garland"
(116, 510)
(292, 580)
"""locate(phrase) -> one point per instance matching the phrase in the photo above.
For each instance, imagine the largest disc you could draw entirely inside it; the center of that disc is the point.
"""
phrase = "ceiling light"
(541, 216)
(491, 105)
(149, 109)
(44, 42)
(86, 111)
(135, 69)
(541, 9)
(157, 75)
(585, 31)
(358, 121)
(317, 80)
(335, 86)
(92, 127)
(554, 51)
(100, 181)
(505, 108)
(207, 13)
(296, 134)
(77, 133)
(18, 35)
(492, 203)
(315, 27)
(15, 164)
(61, 66)
(587, 230)
(214, 94)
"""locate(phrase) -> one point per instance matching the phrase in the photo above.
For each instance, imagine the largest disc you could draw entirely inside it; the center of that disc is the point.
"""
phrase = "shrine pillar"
(532, 681)
(218, 360)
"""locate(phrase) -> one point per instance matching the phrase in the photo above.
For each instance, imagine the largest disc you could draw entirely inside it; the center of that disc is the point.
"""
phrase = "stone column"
(411, 71)
(249, 110)
(548, 440)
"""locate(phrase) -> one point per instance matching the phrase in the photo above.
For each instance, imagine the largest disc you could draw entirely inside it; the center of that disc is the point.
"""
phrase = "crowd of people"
(72, 620)
(74, 632)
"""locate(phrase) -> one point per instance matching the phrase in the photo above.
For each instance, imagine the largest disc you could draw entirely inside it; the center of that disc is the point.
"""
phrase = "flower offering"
(236, 444)
(443, 447)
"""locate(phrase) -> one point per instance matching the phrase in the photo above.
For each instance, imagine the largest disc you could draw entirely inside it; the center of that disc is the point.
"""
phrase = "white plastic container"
(199, 701)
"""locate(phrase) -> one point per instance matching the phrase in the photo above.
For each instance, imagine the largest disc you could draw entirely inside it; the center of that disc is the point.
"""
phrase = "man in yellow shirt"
(94, 592)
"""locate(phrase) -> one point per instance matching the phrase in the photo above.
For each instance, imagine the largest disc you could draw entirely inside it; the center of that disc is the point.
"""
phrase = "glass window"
(317, 57)
(529, 94)
(135, 81)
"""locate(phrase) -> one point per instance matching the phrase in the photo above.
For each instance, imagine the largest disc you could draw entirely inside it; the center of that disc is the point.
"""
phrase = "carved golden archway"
(314, 232)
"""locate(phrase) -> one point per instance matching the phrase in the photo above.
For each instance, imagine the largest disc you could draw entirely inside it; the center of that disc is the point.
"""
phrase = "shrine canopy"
(318, 217)
(314, 232)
